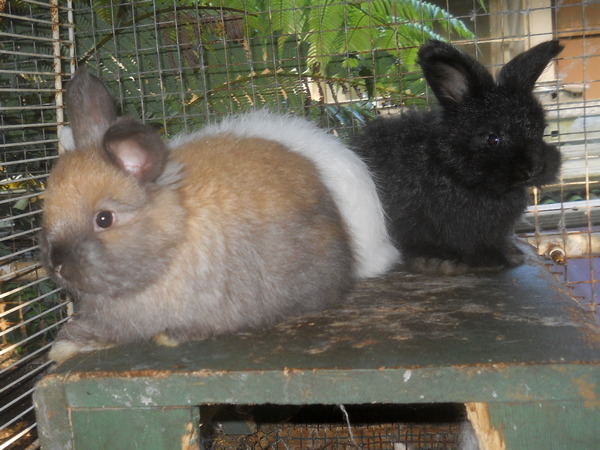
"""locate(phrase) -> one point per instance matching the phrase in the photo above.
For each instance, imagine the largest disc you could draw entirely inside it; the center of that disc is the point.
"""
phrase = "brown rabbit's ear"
(136, 149)
(90, 108)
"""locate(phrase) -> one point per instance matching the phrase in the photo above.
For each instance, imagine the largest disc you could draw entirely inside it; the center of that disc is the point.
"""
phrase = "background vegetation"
(207, 59)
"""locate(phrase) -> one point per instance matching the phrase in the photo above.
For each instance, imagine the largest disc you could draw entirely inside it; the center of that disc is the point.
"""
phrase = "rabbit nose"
(57, 268)
(523, 172)
(57, 257)
(62, 264)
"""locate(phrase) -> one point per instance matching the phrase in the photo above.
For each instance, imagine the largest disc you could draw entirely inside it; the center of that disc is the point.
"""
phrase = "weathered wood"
(488, 436)
(547, 425)
(508, 338)
(52, 414)
(152, 428)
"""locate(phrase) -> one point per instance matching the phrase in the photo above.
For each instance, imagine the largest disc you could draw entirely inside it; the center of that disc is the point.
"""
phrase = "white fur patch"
(165, 341)
(343, 172)
(65, 138)
(65, 349)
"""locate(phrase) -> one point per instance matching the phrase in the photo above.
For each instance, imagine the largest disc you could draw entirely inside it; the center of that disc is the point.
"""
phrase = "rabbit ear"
(452, 74)
(90, 107)
(523, 70)
(136, 149)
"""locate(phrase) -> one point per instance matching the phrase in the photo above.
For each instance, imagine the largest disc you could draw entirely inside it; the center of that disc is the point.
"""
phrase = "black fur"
(454, 179)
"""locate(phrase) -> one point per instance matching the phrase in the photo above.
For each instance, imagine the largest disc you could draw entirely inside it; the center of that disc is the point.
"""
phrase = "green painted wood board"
(564, 425)
(155, 428)
(512, 336)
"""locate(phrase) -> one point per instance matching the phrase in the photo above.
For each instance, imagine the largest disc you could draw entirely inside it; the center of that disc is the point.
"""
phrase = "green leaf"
(284, 45)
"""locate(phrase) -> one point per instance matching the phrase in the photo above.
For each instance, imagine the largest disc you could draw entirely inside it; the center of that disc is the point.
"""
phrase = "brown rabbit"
(221, 233)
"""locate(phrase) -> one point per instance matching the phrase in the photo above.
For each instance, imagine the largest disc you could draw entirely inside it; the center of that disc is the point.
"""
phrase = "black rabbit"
(454, 179)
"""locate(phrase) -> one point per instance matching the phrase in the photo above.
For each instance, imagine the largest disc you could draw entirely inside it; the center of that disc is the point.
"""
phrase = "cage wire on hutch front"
(34, 52)
(178, 65)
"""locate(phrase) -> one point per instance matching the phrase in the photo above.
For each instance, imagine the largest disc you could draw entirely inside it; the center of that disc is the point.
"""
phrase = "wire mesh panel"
(445, 436)
(566, 217)
(335, 427)
(34, 41)
(178, 65)
(343, 62)
(181, 65)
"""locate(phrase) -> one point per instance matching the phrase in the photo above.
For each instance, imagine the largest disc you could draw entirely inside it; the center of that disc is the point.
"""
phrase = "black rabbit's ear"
(451, 74)
(136, 149)
(523, 70)
(90, 108)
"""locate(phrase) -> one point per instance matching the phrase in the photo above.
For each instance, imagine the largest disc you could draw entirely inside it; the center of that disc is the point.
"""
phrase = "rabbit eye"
(493, 140)
(104, 219)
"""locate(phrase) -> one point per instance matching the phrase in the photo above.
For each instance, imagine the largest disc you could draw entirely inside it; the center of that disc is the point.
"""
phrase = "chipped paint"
(366, 343)
(488, 437)
(189, 441)
(587, 389)
(147, 401)
(510, 338)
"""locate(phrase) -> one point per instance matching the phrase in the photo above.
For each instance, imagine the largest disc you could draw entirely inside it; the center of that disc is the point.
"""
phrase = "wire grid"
(341, 63)
(566, 217)
(373, 426)
(179, 65)
(31, 309)
(439, 436)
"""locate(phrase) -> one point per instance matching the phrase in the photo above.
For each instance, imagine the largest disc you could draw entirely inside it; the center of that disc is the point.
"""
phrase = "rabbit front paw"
(164, 340)
(64, 349)
(514, 256)
(437, 266)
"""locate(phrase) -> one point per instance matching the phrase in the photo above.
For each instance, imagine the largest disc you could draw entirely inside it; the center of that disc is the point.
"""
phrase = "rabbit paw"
(437, 266)
(514, 256)
(165, 340)
(65, 349)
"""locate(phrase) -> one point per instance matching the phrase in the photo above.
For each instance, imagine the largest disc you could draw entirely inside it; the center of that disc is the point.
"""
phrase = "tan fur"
(220, 234)
(249, 178)
(86, 176)
(230, 189)
(236, 172)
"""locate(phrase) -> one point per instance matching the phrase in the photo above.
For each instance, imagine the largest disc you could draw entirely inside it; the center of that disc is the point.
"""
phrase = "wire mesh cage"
(438, 426)
(32, 49)
(179, 65)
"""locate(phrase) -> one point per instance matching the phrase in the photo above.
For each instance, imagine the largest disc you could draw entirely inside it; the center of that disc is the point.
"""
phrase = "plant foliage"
(181, 65)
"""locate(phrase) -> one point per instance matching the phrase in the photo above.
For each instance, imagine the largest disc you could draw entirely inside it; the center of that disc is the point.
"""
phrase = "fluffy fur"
(454, 179)
(346, 176)
(223, 232)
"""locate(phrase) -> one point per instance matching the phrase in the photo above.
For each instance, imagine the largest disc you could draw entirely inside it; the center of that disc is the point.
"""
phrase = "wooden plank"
(329, 386)
(413, 332)
(507, 338)
(153, 428)
(520, 315)
(547, 425)
(52, 414)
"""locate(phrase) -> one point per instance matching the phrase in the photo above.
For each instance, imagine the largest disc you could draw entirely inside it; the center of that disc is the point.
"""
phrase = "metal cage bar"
(35, 45)
(179, 66)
